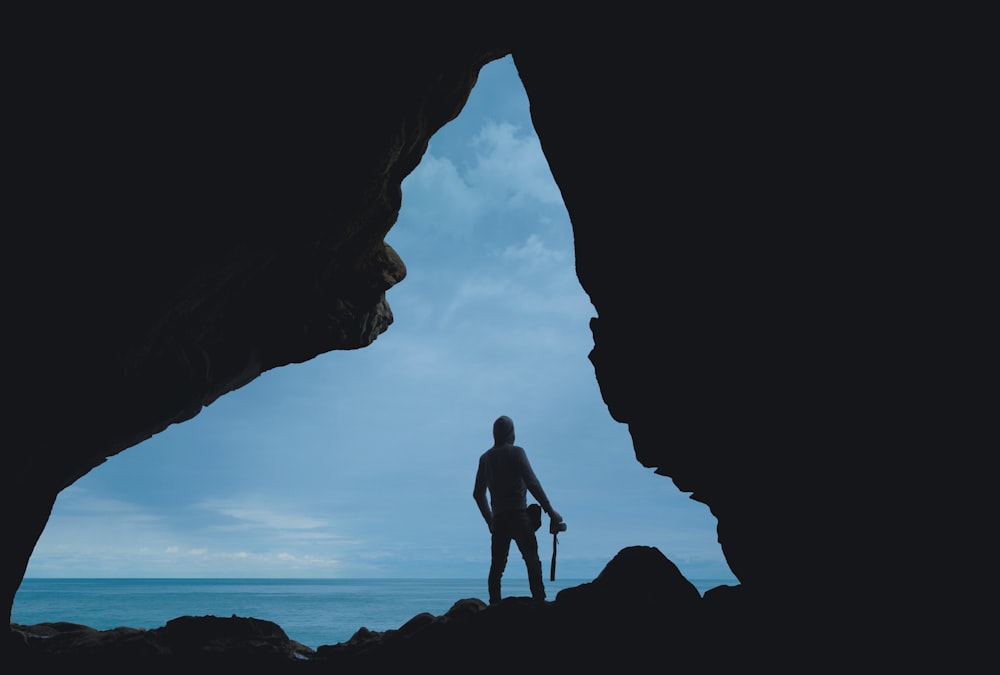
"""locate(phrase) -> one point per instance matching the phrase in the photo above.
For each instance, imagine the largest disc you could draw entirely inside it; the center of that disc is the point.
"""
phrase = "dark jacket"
(504, 470)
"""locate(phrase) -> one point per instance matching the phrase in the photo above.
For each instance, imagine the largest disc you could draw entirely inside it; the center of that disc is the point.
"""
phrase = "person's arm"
(535, 487)
(479, 494)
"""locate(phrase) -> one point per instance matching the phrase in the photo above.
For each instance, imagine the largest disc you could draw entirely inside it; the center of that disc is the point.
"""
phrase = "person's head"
(503, 430)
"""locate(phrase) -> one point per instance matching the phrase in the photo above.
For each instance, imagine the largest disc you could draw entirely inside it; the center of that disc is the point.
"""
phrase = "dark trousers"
(514, 525)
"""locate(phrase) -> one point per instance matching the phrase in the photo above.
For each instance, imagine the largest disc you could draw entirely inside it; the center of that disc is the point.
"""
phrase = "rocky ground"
(639, 608)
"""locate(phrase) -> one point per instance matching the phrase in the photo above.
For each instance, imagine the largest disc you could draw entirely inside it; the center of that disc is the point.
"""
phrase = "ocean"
(311, 611)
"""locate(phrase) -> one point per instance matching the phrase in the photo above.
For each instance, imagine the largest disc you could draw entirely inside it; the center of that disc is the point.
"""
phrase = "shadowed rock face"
(194, 203)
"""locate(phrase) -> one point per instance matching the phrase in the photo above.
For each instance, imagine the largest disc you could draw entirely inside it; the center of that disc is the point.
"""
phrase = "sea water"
(311, 611)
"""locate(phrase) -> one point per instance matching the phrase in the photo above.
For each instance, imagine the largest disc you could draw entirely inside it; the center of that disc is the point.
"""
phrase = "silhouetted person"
(504, 470)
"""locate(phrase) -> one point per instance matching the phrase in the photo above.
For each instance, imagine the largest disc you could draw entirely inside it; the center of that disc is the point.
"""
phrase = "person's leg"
(524, 536)
(499, 548)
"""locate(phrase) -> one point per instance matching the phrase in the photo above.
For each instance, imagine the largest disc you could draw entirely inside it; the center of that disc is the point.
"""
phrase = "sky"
(360, 464)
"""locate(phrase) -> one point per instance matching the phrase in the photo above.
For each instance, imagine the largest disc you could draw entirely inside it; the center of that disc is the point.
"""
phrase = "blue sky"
(361, 463)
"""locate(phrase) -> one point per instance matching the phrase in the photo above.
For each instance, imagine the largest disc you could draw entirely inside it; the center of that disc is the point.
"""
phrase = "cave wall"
(196, 202)
(731, 298)
(777, 226)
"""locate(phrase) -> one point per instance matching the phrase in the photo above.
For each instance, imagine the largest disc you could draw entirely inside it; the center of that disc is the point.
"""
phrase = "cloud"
(255, 517)
(505, 172)
(436, 197)
(83, 520)
(80, 502)
(528, 278)
(511, 167)
(213, 538)
(536, 255)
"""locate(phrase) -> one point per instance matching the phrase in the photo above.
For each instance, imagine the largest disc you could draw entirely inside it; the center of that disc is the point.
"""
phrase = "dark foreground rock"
(639, 608)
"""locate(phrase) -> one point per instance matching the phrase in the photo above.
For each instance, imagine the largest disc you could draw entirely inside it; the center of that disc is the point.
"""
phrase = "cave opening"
(360, 464)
